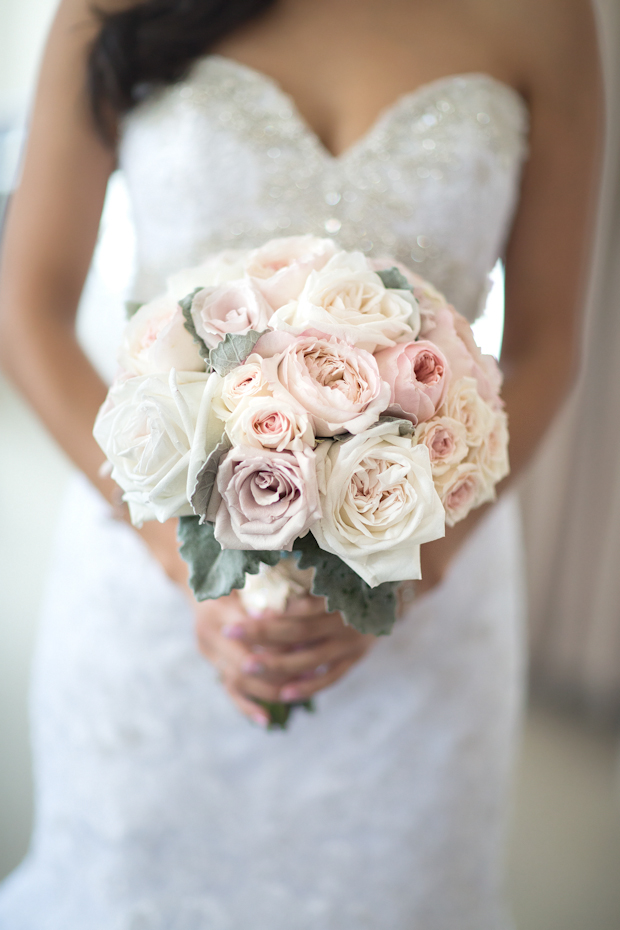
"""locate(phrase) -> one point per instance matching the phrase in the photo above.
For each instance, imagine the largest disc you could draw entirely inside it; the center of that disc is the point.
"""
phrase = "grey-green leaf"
(394, 279)
(405, 427)
(214, 571)
(369, 610)
(190, 326)
(233, 350)
(206, 478)
(132, 307)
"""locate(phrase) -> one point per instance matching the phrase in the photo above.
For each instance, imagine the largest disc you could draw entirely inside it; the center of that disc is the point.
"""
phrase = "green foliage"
(131, 308)
(215, 572)
(232, 351)
(186, 307)
(369, 610)
(207, 476)
(394, 279)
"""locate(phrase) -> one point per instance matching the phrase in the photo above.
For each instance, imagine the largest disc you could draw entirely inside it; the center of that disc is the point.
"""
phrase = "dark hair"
(154, 43)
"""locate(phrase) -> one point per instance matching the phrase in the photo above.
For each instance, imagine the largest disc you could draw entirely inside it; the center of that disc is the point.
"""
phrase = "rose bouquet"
(312, 417)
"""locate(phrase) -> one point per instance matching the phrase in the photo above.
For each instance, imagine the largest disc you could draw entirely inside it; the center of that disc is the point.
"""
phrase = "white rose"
(492, 455)
(157, 431)
(218, 269)
(281, 266)
(348, 300)
(465, 404)
(446, 441)
(267, 423)
(156, 340)
(247, 380)
(379, 503)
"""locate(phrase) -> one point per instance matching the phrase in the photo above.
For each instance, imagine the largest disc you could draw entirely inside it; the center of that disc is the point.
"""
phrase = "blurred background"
(565, 844)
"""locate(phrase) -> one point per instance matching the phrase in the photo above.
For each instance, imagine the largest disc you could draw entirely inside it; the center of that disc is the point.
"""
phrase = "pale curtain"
(571, 496)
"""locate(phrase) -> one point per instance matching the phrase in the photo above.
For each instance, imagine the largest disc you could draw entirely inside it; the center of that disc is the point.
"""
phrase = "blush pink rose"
(460, 490)
(264, 499)
(452, 334)
(281, 267)
(446, 441)
(418, 375)
(337, 384)
(231, 308)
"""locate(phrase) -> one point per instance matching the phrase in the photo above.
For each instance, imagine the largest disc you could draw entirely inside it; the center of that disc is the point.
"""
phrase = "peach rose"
(337, 384)
(446, 441)
(461, 489)
(269, 423)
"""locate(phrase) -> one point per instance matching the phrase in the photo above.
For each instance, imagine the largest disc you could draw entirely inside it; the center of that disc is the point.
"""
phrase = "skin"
(343, 61)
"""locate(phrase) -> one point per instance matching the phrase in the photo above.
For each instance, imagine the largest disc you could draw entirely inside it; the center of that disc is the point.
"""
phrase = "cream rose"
(155, 340)
(246, 380)
(379, 503)
(461, 489)
(232, 308)
(226, 266)
(157, 431)
(267, 423)
(418, 375)
(337, 384)
(446, 441)
(348, 300)
(264, 499)
(491, 457)
(281, 266)
(464, 404)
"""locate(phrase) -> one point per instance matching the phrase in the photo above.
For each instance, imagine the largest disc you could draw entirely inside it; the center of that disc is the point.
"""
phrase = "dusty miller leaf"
(369, 610)
(394, 279)
(131, 308)
(405, 427)
(214, 571)
(206, 477)
(190, 326)
(233, 350)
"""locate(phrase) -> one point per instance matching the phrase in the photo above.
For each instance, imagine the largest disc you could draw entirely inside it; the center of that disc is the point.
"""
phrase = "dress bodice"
(224, 159)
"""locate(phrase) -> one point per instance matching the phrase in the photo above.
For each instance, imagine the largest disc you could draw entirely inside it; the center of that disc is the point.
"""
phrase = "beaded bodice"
(224, 159)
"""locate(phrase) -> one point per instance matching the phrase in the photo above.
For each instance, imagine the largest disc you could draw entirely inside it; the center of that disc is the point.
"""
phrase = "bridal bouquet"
(312, 416)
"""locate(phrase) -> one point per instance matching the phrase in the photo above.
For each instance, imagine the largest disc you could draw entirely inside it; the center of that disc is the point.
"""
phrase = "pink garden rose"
(418, 376)
(461, 489)
(264, 499)
(269, 423)
(337, 384)
(446, 441)
(281, 266)
(452, 334)
(231, 308)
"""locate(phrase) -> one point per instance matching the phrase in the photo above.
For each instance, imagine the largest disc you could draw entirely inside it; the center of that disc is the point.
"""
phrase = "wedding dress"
(158, 806)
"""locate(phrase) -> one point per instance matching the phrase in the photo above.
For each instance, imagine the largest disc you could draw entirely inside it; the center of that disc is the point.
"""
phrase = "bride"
(446, 133)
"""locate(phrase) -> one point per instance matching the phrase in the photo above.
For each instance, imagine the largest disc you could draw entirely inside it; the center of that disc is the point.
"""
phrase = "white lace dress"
(158, 806)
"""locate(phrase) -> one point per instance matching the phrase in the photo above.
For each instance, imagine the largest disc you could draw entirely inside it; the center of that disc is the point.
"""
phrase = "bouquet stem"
(279, 712)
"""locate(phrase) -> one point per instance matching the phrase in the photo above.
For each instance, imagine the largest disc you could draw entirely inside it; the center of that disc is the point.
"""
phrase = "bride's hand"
(276, 657)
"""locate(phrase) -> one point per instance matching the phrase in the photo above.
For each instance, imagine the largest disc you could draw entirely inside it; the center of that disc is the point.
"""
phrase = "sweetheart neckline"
(385, 113)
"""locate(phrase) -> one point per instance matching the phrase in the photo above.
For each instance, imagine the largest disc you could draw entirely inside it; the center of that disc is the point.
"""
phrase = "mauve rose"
(232, 308)
(337, 384)
(281, 266)
(418, 375)
(460, 490)
(264, 499)
(446, 441)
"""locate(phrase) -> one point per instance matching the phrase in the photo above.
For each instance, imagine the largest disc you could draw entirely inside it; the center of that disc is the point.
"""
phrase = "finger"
(302, 690)
(289, 665)
(248, 708)
(280, 631)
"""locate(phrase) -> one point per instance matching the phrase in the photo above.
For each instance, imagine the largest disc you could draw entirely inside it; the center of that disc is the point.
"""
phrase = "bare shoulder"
(552, 44)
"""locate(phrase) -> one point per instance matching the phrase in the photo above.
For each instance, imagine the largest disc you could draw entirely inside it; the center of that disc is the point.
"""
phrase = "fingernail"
(290, 693)
(253, 667)
(260, 720)
(235, 631)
